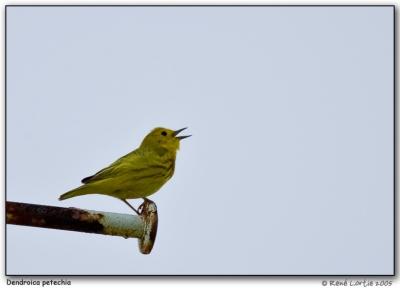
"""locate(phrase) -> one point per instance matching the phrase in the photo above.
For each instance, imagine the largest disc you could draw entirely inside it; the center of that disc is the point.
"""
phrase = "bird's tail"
(76, 192)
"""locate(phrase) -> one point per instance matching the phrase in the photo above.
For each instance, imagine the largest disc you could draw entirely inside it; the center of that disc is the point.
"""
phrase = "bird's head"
(163, 140)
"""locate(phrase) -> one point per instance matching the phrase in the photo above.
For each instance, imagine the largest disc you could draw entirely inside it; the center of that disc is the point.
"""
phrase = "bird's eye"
(163, 133)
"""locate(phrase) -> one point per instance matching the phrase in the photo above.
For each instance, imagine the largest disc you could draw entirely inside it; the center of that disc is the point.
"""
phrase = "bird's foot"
(146, 200)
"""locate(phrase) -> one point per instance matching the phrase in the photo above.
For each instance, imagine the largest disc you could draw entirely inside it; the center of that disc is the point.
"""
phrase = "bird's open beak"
(179, 131)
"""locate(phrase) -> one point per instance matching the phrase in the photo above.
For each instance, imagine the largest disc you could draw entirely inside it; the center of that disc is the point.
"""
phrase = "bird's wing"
(119, 167)
(135, 163)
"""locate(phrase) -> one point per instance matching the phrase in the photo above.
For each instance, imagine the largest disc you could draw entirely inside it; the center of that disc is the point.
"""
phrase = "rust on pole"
(143, 226)
(150, 221)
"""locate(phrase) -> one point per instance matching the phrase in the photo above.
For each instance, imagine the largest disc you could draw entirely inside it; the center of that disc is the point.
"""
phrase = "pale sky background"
(289, 171)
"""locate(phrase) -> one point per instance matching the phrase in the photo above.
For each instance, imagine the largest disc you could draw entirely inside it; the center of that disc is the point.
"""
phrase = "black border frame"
(209, 275)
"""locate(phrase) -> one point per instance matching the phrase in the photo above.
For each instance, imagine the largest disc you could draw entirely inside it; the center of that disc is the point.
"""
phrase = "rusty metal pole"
(143, 227)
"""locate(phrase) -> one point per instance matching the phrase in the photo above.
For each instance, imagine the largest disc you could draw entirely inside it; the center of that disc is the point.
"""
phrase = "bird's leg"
(127, 203)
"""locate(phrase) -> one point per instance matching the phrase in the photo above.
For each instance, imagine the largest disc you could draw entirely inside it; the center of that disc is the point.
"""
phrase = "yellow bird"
(138, 174)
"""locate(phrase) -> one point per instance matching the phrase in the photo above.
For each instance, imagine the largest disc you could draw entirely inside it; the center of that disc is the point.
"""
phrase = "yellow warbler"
(138, 174)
